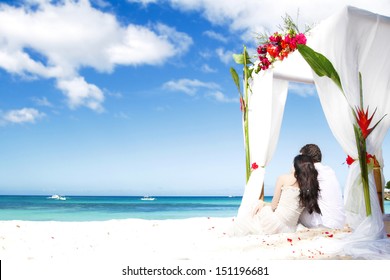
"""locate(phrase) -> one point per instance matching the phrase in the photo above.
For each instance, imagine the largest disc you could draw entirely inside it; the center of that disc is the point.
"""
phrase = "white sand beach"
(39, 249)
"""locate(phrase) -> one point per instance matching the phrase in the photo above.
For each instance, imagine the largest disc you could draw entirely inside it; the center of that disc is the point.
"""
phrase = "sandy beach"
(108, 247)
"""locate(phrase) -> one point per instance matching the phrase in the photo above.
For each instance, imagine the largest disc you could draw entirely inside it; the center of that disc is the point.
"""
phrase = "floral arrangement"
(279, 45)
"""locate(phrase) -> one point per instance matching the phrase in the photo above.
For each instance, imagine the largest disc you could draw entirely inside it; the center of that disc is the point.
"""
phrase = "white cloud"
(143, 2)
(101, 3)
(80, 93)
(251, 16)
(192, 87)
(141, 45)
(207, 69)
(42, 101)
(25, 115)
(220, 97)
(216, 36)
(189, 87)
(303, 90)
(225, 56)
(71, 35)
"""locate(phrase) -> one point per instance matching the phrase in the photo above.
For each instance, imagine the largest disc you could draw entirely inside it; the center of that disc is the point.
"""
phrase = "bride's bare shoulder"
(286, 179)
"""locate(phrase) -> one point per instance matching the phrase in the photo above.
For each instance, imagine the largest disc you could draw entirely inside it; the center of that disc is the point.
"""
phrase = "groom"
(330, 200)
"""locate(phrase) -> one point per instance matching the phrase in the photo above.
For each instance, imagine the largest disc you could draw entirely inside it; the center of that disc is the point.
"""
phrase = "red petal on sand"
(388, 235)
(330, 235)
(289, 239)
(299, 238)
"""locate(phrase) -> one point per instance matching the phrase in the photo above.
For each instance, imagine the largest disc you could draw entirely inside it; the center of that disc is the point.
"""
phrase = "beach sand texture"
(40, 244)
(185, 239)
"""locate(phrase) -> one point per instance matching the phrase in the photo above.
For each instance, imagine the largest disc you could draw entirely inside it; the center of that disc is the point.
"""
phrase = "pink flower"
(301, 39)
(254, 166)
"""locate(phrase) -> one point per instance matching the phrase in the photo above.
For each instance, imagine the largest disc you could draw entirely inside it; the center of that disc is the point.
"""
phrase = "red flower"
(364, 121)
(349, 160)
(254, 166)
(369, 157)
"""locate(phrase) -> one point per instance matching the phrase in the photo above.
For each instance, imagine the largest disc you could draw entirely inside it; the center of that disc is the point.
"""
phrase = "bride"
(294, 192)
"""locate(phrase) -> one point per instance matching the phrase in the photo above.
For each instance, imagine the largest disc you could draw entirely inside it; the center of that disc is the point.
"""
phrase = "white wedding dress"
(283, 219)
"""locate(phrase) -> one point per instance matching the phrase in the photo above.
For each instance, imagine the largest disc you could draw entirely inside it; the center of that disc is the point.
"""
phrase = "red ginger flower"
(364, 121)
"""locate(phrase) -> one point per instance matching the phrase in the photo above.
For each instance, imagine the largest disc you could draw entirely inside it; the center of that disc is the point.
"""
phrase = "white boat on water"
(57, 197)
(148, 198)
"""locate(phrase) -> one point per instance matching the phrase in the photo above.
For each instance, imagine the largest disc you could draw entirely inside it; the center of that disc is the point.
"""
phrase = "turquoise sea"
(101, 208)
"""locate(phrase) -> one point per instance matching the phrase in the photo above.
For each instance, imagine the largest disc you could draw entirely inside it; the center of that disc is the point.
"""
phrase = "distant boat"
(57, 197)
(148, 198)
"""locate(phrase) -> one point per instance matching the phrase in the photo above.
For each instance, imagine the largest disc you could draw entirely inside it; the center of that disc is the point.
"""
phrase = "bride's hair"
(306, 175)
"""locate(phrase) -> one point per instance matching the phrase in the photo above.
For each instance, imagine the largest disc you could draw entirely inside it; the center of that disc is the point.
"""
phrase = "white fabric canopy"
(354, 41)
(265, 114)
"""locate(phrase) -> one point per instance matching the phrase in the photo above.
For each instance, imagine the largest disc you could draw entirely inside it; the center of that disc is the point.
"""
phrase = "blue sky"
(135, 97)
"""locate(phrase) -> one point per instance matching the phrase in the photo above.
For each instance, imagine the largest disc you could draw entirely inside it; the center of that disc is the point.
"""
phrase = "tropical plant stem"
(362, 152)
(246, 125)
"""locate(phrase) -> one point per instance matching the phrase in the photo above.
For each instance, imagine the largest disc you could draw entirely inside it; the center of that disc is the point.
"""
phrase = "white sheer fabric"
(266, 107)
(356, 41)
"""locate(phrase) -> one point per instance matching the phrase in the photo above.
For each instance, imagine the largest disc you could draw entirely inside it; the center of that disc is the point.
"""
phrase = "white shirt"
(330, 202)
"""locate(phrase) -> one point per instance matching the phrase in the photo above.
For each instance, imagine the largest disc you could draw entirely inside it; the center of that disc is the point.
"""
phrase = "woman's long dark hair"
(306, 175)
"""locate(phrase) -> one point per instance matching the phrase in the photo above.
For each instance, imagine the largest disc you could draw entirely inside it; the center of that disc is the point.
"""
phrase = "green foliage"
(320, 64)
(236, 79)
(387, 185)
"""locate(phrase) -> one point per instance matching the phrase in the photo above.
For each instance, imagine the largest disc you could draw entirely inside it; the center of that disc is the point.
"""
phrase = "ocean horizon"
(103, 208)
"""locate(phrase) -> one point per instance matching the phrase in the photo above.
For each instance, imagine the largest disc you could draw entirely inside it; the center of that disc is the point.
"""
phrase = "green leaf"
(320, 64)
(236, 79)
(238, 58)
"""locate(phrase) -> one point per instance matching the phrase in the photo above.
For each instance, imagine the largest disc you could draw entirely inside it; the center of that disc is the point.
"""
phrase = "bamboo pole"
(378, 182)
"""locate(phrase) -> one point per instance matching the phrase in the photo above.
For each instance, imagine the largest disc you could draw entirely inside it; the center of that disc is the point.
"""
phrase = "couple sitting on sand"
(310, 195)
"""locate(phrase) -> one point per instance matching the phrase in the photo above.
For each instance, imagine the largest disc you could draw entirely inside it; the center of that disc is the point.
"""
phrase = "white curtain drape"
(266, 106)
(357, 41)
